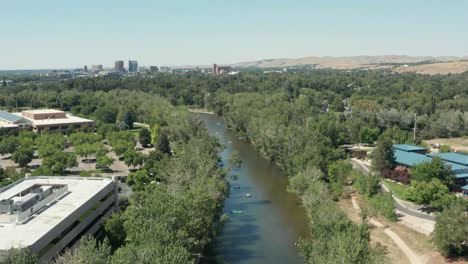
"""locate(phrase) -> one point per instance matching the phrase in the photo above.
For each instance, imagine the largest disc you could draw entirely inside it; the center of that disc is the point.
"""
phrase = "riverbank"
(201, 111)
(272, 220)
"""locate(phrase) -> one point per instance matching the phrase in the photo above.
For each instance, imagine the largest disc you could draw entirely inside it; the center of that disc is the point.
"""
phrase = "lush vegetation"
(298, 120)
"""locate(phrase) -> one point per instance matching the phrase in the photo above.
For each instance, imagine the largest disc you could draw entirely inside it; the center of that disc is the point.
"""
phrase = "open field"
(398, 190)
(458, 144)
(437, 68)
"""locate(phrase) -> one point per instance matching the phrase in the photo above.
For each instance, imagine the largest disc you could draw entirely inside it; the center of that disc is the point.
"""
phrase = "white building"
(41, 119)
(49, 214)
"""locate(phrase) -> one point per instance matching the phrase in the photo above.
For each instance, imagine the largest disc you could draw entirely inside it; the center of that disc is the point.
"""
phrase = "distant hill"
(409, 63)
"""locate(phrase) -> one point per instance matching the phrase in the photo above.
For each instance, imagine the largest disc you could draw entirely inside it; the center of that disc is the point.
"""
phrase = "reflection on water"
(272, 219)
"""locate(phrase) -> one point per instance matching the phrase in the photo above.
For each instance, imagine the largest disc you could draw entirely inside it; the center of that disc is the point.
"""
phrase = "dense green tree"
(23, 156)
(435, 169)
(89, 251)
(144, 136)
(300, 182)
(383, 156)
(19, 256)
(8, 145)
(368, 135)
(451, 231)
(162, 142)
(114, 230)
(104, 161)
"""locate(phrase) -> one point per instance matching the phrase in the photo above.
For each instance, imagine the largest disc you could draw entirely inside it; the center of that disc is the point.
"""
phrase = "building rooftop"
(8, 117)
(70, 119)
(408, 148)
(465, 187)
(43, 111)
(452, 157)
(79, 190)
(410, 159)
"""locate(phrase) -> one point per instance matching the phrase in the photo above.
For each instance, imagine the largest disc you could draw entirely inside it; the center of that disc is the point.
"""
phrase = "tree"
(89, 251)
(23, 156)
(154, 133)
(436, 168)
(19, 256)
(368, 185)
(383, 156)
(445, 148)
(451, 231)
(104, 161)
(144, 136)
(115, 231)
(162, 142)
(87, 149)
(8, 145)
(133, 158)
(4, 84)
(368, 135)
(432, 193)
(300, 182)
(120, 147)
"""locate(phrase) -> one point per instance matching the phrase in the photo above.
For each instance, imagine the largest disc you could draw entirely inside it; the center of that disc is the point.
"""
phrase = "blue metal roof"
(410, 159)
(461, 175)
(8, 117)
(465, 187)
(452, 157)
(408, 148)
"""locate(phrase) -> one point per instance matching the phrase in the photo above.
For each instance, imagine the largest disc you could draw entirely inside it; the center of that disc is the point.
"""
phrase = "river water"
(272, 219)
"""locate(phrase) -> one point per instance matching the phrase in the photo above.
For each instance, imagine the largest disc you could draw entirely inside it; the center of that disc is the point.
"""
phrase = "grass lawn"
(135, 130)
(397, 189)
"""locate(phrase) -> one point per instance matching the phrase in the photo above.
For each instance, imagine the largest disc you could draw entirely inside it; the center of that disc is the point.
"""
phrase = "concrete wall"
(70, 236)
(68, 221)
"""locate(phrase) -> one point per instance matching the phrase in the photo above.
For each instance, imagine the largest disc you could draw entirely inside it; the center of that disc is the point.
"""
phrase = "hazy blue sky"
(65, 33)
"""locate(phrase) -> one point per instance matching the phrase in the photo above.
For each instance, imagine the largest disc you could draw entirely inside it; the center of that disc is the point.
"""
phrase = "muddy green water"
(272, 219)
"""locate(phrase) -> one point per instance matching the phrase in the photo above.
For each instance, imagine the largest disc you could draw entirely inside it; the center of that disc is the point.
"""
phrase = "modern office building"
(49, 214)
(38, 120)
(217, 69)
(119, 66)
(97, 68)
(132, 66)
(85, 68)
(154, 68)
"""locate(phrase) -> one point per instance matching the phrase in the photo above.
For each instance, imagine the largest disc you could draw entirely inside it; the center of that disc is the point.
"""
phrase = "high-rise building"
(132, 66)
(86, 69)
(119, 66)
(154, 68)
(97, 68)
(215, 68)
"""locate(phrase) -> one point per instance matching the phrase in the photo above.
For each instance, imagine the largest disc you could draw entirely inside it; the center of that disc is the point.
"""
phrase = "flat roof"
(70, 119)
(452, 157)
(410, 158)
(9, 117)
(80, 190)
(408, 148)
(42, 111)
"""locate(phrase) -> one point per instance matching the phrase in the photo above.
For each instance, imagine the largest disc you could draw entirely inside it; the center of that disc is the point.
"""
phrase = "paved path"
(404, 208)
(410, 254)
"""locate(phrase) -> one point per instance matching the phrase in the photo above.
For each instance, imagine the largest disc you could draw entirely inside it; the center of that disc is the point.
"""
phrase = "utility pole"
(414, 128)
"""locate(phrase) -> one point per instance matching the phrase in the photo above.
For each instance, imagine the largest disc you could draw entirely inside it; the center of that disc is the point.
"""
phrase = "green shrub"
(367, 185)
(382, 204)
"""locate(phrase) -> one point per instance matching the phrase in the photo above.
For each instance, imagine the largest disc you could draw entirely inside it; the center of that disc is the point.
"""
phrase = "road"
(426, 220)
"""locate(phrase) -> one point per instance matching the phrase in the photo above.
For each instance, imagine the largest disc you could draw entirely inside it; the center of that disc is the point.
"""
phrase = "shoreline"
(201, 111)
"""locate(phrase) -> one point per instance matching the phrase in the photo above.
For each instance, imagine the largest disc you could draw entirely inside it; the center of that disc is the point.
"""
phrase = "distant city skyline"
(55, 34)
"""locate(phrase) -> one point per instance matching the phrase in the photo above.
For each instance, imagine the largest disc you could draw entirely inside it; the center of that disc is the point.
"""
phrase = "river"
(272, 219)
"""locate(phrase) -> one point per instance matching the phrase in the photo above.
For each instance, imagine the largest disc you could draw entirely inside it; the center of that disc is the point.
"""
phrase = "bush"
(445, 148)
(367, 185)
(451, 231)
(382, 204)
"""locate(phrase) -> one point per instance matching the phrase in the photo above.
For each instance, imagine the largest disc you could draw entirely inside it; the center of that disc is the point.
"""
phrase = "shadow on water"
(271, 219)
